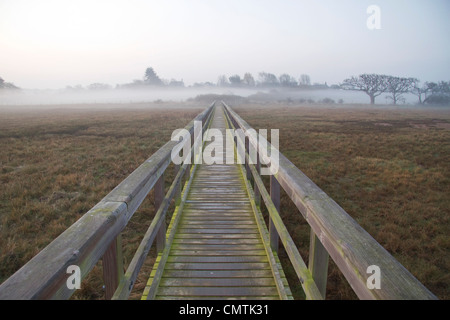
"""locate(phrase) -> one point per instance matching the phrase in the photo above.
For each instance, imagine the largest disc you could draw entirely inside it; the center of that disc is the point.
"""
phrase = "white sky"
(54, 43)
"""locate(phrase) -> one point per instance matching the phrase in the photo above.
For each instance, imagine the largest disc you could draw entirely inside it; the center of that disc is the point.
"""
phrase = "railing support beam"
(112, 262)
(318, 263)
(177, 196)
(159, 197)
(275, 196)
(257, 192)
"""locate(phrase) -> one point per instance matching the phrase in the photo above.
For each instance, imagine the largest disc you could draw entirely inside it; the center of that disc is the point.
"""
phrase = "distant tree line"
(372, 84)
(266, 80)
(151, 79)
(376, 84)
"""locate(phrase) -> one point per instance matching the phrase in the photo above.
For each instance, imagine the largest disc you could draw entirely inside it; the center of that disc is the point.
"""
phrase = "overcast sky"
(55, 43)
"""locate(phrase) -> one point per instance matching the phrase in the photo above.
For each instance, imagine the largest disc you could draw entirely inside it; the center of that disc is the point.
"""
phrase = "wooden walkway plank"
(217, 251)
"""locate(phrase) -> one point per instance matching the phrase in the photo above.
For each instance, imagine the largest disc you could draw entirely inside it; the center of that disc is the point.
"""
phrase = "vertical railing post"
(318, 263)
(159, 196)
(112, 263)
(275, 196)
(257, 192)
(247, 160)
(177, 195)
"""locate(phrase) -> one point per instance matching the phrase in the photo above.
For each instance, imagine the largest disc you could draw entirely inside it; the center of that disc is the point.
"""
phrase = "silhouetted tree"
(440, 93)
(7, 85)
(222, 81)
(267, 79)
(248, 80)
(305, 80)
(235, 80)
(151, 78)
(287, 81)
(419, 90)
(371, 84)
(397, 86)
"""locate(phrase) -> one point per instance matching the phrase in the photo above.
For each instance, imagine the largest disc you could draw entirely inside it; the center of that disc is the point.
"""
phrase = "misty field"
(387, 167)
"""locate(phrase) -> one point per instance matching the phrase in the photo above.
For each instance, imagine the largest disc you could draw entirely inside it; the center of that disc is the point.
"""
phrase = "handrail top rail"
(85, 241)
(351, 247)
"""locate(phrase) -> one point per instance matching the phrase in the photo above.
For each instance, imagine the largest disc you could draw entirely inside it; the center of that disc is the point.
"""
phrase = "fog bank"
(126, 96)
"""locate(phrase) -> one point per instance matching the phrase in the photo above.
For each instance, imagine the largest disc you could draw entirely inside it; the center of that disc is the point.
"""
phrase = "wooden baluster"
(177, 196)
(159, 197)
(275, 196)
(257, 193)
(112, 262)
(247, 151)
(318, 263)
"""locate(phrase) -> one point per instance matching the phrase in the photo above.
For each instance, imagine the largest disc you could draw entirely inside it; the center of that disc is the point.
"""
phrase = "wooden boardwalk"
(217, 245)
(216, 250)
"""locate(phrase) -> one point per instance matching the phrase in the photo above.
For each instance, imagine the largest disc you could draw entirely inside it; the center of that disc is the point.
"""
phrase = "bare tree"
(420, 91)
(248, 80)
(397, 86)
(222, 81)
(371, 84)
(440, 93)
(267, 79)
(287, 81)
(305, 80)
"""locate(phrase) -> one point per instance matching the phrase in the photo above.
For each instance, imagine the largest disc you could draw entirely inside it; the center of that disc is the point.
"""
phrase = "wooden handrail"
(277, 228)
(127, 282)
(349, 245)
(86, 241)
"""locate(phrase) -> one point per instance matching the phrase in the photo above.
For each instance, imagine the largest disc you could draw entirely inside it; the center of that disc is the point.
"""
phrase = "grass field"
(387, 167)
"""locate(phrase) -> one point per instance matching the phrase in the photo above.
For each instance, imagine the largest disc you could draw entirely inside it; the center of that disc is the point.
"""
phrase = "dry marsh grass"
(57, 164)
(387, 167)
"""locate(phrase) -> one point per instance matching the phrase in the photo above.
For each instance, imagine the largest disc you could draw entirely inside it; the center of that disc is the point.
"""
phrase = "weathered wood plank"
(217, 247)
(266, 273)
(318, 263)
(216, 236)
(275, 297)
(215, 222)
(217, 241)
(258, 252)
(221, 226)
(219, 231)
(216, 259)
(217, 282)
(275, 196)
(218, 291)
(159, 197)
(112, 263)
